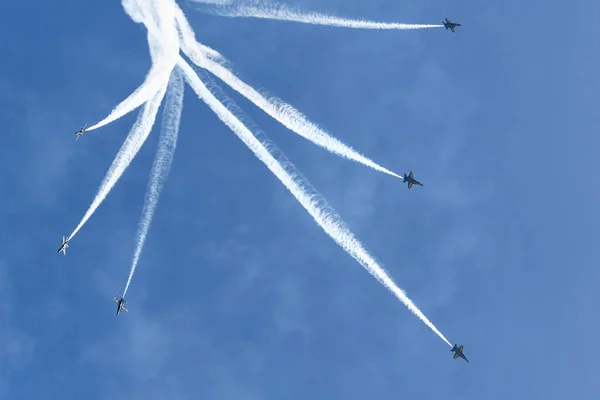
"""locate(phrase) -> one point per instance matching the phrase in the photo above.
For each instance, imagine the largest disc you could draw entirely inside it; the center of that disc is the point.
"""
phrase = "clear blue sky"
(239, 295)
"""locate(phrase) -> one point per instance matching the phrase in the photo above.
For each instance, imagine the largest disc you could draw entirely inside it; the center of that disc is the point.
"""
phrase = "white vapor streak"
(330, 222)
(161, 165)
(164, 48)
(134, 141)
(188, 38)
(287, 115)
(267, 10)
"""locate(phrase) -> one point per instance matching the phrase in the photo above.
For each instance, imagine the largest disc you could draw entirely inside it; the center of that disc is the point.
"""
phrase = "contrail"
(187, 37)
(287, 115)
(268, 10)
(313, 202)
(134, 141)
(161, 165)
(164, 48)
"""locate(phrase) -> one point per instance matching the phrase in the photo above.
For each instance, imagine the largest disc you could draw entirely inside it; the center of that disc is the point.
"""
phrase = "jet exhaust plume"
(164, 48)
(274, 11)
(134, 141)
(287, 115)
(161, 165)
(187, 38)
(314, 203)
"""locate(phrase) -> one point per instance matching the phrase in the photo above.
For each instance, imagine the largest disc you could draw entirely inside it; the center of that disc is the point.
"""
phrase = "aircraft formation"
(410, 179)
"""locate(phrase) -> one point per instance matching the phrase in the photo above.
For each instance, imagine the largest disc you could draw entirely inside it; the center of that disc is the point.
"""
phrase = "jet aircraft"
(121, 305)
(411, 180)
(458, 352)
(450, 25)
(80, 132)
(63, 247)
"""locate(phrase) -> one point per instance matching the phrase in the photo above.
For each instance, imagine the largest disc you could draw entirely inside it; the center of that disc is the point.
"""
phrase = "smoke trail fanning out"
(134, 141)
(161, 165)
(164, 48)
(287, 115)
(268, 10)
(313, 202)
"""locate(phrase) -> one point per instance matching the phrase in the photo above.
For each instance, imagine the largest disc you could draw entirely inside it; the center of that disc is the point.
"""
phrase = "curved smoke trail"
(164, 48)
(187, 38)
(161, 165)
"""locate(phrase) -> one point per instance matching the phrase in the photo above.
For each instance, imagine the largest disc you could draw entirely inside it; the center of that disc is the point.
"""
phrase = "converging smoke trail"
(134, 141)
(287, 115)
(267, 10)
(327, 219)
(161, 165)
(164, 48)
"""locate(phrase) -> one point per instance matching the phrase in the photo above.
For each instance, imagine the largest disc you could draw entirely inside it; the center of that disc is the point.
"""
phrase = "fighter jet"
(450, 25)
(80, 132)
(121, 305)
(63, 247)
(411, 180)
(458, 352)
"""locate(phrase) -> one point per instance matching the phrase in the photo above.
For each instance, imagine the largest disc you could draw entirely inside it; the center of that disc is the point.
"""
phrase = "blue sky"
(238, 293)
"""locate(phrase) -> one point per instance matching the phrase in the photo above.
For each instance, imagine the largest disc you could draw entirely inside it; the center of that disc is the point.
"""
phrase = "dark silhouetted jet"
(80, 132)
(63, 246)
(451, 25)
(411, 180)
(458, 352)
(121, 305)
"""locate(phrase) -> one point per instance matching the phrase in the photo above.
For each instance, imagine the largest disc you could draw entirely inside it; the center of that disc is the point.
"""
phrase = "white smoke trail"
(164, 48)
(268, 10)
(287, 115)
(187, 37)
(161, 165)
(134, 141)
(330, 222)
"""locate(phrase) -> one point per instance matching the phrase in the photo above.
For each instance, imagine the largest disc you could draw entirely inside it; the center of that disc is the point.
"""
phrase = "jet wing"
(124, 308)
(460, 349)
(116, 300)
(447, 20)
(411, 175)
(455, 356)
(410, 184)
(452, 28)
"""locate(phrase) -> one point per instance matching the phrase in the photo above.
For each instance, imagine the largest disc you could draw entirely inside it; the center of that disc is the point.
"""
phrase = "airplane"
(458, 352)
(63, 247)
(411, 180)
(450, 25)
(80, 132)
(121, 305)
